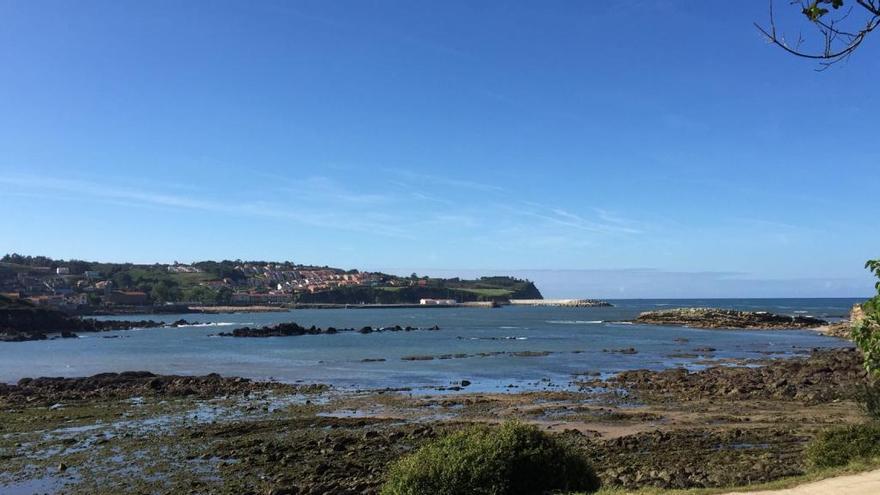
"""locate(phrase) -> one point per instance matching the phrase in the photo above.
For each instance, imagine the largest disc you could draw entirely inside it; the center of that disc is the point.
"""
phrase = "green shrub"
(513, 459)
(869, 399)
(840, 446)
(866, 332)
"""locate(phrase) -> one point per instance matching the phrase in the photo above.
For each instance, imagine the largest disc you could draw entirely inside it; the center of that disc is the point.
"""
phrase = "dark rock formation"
(21, 321)
(727, 318)
(824, 376)
(697, 458)
(133, 384)
(293, 329)
(628, 350)
(66, 329)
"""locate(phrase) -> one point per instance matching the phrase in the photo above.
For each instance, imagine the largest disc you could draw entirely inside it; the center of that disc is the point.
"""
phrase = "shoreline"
(260, 436)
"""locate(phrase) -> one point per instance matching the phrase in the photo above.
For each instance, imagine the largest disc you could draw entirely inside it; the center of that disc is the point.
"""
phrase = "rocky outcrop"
(698, 458)
(727, 318)
(824, 376)
(568, 303)
(843, 329)
(324, 456)
(22, 322)
(134, 384)
(293, 329)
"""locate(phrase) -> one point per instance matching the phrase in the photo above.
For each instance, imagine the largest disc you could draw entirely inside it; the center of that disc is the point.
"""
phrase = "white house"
(438, 302)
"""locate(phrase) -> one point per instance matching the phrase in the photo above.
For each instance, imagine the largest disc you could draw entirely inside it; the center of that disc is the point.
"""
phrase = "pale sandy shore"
(856, 484)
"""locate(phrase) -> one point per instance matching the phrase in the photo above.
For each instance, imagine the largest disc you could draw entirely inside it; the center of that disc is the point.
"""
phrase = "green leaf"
(814, 12)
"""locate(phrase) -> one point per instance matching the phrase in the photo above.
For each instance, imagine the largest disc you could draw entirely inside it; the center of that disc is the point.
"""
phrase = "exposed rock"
(21, 322)
(530, 353)
(293, 329)
(843, 329)
(824, 376)
(697, 458)
(727, 318)
(417, 358)
(628, 350)
(51, 390)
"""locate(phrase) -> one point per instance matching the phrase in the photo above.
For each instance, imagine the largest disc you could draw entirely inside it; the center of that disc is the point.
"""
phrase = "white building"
(438, 302)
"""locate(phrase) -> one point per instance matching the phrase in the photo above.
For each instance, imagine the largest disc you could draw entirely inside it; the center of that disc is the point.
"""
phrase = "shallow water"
(574, 337)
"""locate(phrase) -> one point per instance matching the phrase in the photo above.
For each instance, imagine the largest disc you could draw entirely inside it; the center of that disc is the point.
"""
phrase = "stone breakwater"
(727, 318)
(295, 330)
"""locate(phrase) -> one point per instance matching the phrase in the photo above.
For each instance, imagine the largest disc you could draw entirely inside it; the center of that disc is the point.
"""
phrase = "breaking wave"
(213, 324)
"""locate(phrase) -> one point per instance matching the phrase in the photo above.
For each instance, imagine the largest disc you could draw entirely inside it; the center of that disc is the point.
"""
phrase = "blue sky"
(652, 149)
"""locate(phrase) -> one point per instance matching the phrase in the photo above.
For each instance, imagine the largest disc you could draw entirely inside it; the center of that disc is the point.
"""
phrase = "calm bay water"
(575, 338)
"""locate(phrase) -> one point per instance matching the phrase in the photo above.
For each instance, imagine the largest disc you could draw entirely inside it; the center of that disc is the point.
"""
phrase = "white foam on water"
(575, 322)
(213, 324)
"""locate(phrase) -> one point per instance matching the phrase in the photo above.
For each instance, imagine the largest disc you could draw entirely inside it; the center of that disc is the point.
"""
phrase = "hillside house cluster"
(276, 283)
(61, 289)
(67, 285)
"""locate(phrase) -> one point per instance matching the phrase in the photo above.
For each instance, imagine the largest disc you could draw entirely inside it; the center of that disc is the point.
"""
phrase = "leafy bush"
(513, 459)
(866, 333)
(840, 446)
(869, 399)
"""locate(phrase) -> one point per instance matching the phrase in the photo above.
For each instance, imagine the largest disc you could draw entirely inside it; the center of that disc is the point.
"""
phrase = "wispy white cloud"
(438, 180)
(320, 218)
(765, 224)
(561, 217)
(408, 206)
(321, 188)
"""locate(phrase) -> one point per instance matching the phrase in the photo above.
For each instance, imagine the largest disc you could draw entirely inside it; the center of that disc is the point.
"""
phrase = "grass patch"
(513, 459)
(840, 446)
(487, 292)
(187, 279)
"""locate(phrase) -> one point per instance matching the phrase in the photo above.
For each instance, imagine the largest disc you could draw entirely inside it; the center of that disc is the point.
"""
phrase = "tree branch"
(838, 43)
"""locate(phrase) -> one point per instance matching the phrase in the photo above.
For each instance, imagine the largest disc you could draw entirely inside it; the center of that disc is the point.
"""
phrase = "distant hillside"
(498, 289)
(72, 285)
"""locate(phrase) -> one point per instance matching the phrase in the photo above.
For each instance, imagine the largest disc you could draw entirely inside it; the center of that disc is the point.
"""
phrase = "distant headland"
(91, 287)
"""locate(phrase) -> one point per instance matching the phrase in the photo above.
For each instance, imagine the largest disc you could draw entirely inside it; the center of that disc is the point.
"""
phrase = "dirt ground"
(855, 484)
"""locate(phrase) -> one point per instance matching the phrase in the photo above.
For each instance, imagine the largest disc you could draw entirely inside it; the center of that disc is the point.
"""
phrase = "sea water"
(577, 341)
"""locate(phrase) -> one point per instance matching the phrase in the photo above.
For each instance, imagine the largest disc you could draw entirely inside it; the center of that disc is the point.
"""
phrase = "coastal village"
(63, 286)
(74, 285)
